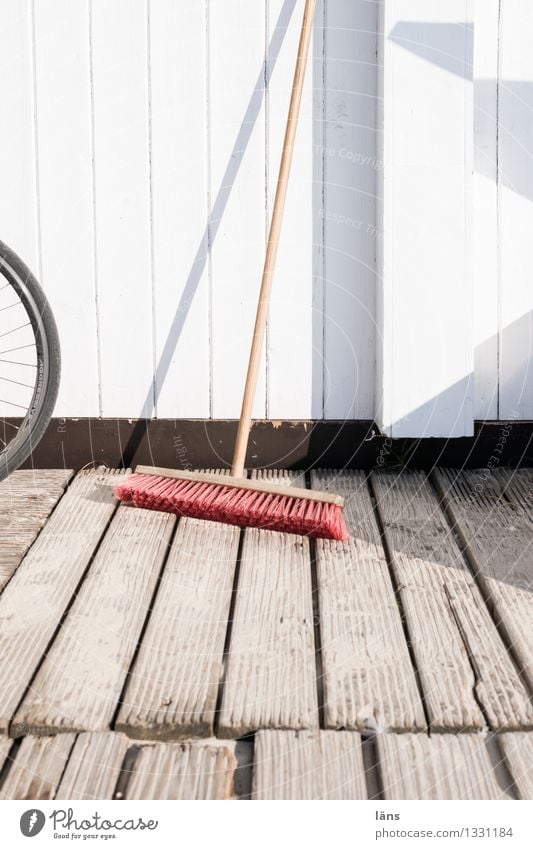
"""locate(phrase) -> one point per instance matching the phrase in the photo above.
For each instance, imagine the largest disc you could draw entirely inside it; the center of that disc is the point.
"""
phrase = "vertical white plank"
(485, 209)
(121, 158)
(319, 155)
(63, 115)
(349, 213)
(425, 350)
(292, 323)
(515, 134)
(237, 189)
(17, 152)
(179, 206)
(18, 196)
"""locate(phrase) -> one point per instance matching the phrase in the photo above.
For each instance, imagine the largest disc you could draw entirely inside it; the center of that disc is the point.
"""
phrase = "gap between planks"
(270, 679)
(278, 765)
(172, 688)
(27, 497)
(79, 683)
(368, 678)
(33, 603)
(467, 676)
(308, 765)
(496, 536)
(443, 766)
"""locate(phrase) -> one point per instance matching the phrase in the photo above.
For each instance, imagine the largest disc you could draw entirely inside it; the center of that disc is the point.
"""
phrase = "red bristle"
(242, 507)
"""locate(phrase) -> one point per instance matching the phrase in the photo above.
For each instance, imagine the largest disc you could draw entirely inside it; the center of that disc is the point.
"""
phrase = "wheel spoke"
(32, 345)
(20, 348)
(9, 380)
(9, 332)
(12, 404)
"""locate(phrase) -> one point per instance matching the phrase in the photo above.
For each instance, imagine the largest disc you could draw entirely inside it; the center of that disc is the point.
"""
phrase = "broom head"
(235, 501)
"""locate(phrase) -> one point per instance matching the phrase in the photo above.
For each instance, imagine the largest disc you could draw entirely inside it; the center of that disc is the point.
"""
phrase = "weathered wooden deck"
(146, 657)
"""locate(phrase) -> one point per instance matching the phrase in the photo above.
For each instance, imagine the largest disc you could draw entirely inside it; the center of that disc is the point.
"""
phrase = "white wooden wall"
(138, 157)
(503, 209)
(425, 356)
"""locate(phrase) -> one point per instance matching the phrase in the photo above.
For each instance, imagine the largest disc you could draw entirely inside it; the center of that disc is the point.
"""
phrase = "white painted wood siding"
(425, 357)
(515, 197)
(138, 158)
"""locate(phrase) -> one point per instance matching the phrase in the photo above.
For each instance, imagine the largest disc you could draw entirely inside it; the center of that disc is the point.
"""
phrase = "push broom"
(235, 499)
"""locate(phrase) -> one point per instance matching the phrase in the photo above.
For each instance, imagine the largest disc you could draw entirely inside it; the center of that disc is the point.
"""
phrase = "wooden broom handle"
(245, 421)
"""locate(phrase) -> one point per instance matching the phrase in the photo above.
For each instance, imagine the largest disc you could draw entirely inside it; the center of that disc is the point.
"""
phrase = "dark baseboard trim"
(193, 443)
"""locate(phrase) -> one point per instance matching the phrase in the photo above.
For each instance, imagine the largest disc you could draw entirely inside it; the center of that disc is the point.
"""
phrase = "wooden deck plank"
(33, 602)
(308, 765)
(93, 767)
(369, 681)
(80, 681)
(183, 771)
(517, 485)
(270, 679)
(497, 536)
(450, 627)
(518, 751)
(444, 766)
(172, 690)
(37, 768)
(5, 745)
(27, 498)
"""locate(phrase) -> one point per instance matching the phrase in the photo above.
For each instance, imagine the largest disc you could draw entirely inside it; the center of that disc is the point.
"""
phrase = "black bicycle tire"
(48, 357)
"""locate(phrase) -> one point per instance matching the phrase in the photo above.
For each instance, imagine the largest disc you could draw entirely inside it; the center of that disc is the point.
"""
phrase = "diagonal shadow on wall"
(430, 41)
(210, 233)
(507, 130)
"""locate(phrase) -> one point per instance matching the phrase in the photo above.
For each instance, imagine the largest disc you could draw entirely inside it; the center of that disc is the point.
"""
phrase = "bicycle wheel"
(30, 362)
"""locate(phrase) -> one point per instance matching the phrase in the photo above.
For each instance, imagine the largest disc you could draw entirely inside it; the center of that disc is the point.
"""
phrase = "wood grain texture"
(93, 767)
(37, 768)
(32, 604)
(444, 766)
(461, 659)
(518, 751)
(308, 765)
(497, 538)
(5, 745)
(79, 684)
(270, 679)
(26, 500)
(517, 485)
(368, 678)
(183, 771)
(172, 690)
